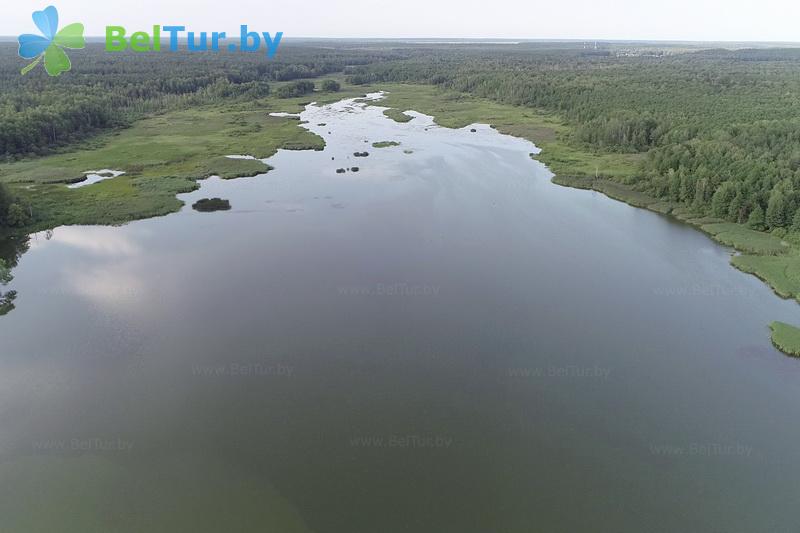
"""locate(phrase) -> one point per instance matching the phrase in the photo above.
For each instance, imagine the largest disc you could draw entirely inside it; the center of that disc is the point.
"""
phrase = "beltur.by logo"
(50, 45)
(140, 41)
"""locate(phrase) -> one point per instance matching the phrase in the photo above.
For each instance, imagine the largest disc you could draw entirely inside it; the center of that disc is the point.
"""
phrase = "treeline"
(39, 113)
(12, 214)
(721, 129)
(297, 88)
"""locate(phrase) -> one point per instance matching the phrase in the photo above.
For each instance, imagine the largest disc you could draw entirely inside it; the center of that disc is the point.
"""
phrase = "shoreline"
(784, 337)
(760, 254)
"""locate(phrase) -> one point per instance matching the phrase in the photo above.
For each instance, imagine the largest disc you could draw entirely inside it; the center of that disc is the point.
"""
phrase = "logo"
(51, 44)
(140, 41)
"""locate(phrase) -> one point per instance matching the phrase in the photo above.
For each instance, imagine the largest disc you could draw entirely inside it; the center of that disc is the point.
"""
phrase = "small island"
(786, 338)
(397, 115)
(207, 205)
(385, 144)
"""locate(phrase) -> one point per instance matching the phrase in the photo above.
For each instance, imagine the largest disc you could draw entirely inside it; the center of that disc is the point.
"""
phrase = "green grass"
(161, 156)
(769, 258)
(385, 144)
(548, 131)
(782, 273)
(397, 115)
(746, 240)
(786, 338)
(164, 155)
(613, 190)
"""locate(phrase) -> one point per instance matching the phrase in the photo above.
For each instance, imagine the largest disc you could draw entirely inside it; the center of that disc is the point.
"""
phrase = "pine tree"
(776, 210)
(796, 221)
(736, 209)
(674, 185)
(722, 198)
(700, 194)
(756, 218)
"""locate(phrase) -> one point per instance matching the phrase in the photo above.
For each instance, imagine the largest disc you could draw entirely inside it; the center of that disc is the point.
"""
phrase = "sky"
(692, 20)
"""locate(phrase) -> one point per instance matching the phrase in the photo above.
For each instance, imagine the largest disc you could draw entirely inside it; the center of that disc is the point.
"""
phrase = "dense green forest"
(39, 114)
(720, 129)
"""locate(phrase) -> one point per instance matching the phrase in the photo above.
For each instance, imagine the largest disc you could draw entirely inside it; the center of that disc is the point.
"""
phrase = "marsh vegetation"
(207, 205)
(708, 136)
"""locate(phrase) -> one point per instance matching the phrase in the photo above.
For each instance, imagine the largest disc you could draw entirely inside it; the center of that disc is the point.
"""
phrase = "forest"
(113, 90)
(718, 130)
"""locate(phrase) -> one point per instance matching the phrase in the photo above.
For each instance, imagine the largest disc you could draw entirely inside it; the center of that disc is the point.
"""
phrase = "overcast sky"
(728, 20)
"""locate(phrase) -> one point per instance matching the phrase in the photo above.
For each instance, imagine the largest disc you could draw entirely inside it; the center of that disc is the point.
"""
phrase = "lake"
(441, 341)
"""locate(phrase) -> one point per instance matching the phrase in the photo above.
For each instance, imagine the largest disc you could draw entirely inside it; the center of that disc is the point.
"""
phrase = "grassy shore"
(772, 259)
(786, 338)
(165, 155)
(161, 156)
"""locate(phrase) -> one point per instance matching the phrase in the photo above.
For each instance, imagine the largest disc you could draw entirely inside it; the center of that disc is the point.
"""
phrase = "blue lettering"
(193, 47)
(215, 38)
(173, 36)
(272, 45)
(245, 45)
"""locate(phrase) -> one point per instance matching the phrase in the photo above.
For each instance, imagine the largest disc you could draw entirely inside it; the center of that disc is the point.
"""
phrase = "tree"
(700, 194)
(6, 299)
(674, 180)
(721, 201)
(297, 88)
(687, 189)
(5, 273)
(737, 210)
(5, 202)
(331, 86)
(796, 221)
(16, 216)
(776, 210)
(756, 218)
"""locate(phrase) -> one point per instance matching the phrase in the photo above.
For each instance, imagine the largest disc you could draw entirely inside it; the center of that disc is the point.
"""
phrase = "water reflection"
(11, 249)
(443, 341)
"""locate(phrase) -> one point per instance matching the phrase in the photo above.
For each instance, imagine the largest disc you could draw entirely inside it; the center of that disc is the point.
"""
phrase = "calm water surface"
(442, 341)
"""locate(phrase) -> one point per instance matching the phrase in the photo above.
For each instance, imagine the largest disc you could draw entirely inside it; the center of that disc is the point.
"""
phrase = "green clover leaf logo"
(50, 45)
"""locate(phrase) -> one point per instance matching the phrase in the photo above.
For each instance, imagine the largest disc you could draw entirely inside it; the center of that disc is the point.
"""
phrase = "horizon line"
(508, 40)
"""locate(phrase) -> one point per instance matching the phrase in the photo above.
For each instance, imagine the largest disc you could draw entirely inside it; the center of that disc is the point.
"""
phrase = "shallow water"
(442, 341)
(96, 176)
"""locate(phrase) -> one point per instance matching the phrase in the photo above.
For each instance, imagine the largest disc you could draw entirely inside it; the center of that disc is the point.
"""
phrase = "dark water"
(442, 341)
